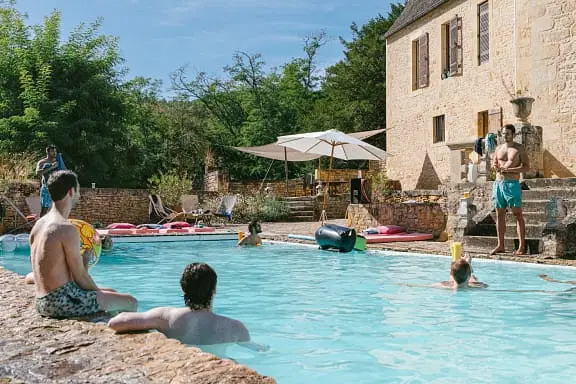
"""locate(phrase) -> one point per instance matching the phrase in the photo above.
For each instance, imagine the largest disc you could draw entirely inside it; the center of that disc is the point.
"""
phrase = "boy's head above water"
(461, 271)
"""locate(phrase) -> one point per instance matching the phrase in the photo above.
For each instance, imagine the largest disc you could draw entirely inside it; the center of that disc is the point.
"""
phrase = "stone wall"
(546, 60)
(278, 187)
(544, 69)
(99, 205)
(336, 209)
(422, 211)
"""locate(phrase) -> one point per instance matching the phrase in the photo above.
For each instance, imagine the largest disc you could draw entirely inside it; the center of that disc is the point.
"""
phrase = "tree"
(355, 87)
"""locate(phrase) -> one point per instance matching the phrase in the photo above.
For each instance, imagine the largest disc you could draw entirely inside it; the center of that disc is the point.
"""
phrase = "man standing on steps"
(510, 160)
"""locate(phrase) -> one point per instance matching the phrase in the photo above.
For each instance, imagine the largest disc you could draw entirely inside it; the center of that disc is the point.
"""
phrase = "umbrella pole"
(286, 172)
(324, 216)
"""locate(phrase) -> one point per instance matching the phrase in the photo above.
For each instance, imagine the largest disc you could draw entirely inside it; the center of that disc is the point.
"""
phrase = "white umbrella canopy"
(332, 143)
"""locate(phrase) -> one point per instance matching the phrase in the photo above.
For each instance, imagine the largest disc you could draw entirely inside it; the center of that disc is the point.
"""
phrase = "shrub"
(170, 187)
(250, 207)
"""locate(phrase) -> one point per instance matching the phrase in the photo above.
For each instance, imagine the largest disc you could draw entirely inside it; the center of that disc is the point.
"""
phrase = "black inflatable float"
(332, 236)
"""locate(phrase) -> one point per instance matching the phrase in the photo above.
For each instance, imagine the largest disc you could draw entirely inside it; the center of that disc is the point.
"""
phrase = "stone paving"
(40, 350)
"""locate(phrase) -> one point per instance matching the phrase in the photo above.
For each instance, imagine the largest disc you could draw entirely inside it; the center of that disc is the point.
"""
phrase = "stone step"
(532, 230)
(539, 205)
(533, 245)
(302, 198)
(549, 193)
(569, 182)
(296, 207)
(298, 218)
(309, 212)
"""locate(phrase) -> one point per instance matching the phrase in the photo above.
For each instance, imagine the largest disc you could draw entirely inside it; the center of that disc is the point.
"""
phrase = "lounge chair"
(226, 206)
(157, 212)
(190, 208)
(34, 206)
(28, 220)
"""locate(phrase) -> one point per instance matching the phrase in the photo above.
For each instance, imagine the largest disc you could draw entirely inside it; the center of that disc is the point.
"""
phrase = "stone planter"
(522, 108)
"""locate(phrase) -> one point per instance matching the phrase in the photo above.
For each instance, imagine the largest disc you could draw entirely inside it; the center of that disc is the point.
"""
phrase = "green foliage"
(70, 91)
(170, 186)
(379, 184)
(257, 206)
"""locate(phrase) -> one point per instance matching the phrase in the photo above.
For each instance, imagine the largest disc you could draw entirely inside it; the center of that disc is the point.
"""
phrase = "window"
(439, 128)
(482, 123)
(451, 33)
(420, 62)
(483, 34)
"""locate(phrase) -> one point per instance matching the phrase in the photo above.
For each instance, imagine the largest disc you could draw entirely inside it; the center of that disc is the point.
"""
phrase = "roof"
(414, 10)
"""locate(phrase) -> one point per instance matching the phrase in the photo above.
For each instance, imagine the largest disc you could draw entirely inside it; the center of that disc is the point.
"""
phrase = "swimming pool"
(341, 318)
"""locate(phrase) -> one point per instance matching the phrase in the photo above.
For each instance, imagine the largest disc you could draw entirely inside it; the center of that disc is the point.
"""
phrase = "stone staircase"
(535, 201)
(301, 208)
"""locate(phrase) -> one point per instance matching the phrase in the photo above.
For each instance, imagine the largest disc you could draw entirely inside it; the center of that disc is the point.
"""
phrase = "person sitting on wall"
(196, 324)
(64, 289)
(252, 239)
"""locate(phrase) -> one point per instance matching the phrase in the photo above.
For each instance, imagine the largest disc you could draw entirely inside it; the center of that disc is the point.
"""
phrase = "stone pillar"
(530, 137)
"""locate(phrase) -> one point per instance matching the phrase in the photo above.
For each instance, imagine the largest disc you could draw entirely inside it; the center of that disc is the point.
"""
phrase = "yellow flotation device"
(89, 240)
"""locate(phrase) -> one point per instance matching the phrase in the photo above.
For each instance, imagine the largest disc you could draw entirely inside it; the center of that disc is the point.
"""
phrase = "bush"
(170, 187)
(253, 207)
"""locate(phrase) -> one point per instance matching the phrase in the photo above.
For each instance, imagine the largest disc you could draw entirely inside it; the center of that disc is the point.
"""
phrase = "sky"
(158, 36)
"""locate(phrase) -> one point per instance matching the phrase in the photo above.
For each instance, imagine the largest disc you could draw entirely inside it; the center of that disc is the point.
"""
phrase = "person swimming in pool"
(64, 289)
(196, 324)
(252, 239)
(461, 277)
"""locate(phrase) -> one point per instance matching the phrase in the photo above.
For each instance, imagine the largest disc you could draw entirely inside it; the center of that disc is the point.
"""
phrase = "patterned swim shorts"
(68, 301)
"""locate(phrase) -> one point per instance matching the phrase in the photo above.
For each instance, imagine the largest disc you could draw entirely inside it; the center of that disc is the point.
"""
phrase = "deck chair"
(29, 221)
(190, 205)
(226, 206)
(157, 212)
(33, 203)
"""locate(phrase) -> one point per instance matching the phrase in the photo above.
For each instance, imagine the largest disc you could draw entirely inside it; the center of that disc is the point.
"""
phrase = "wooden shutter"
(455, 45)
(423, 74)
(483, 34)
(494, 120)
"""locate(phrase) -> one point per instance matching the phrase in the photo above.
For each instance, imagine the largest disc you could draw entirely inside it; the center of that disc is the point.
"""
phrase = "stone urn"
(522, 108)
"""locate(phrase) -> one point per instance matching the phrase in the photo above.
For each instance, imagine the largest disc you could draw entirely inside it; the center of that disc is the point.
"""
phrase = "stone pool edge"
(36, 349)
(443, 249)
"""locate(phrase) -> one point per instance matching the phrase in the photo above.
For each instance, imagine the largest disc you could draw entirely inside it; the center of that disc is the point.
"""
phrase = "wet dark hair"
(460, 271)
(60, 182)
(198, 283)
(253, 224)
(510, 127)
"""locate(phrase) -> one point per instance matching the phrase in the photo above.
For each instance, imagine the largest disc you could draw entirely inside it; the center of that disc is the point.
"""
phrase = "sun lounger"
(397, 237)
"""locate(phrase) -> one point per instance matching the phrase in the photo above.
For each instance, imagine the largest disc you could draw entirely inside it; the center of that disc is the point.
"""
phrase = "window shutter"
(494, 120)
(483, 34)
(423, 74)
(455, 45)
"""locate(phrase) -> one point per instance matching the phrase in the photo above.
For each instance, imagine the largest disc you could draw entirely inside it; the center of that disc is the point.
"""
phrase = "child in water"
(461, 275)
(252, 239)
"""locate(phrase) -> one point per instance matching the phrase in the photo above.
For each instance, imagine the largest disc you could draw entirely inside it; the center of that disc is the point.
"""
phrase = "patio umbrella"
(278, 152)
(332, 143)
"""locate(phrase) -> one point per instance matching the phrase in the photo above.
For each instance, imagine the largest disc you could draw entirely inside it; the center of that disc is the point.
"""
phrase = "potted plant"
(522, 106)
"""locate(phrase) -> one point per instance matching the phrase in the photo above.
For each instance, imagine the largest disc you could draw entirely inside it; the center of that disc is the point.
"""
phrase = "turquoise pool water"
(341, 318)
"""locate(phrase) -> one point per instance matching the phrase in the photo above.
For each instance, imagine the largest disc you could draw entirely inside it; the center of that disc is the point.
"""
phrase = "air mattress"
(331, 236)
(397, 237)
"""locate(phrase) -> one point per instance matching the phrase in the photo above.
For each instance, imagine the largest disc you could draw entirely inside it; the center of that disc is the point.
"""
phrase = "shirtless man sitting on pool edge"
(196, 324)
(64, 289)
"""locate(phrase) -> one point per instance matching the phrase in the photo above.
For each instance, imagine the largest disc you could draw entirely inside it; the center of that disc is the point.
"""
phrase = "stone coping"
(34, 349)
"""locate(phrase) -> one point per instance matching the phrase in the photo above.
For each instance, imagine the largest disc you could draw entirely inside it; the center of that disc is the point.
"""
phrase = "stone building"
(452, 68)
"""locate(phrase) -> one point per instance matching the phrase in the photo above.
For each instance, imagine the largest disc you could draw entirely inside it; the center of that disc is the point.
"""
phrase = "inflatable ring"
(89, 240)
